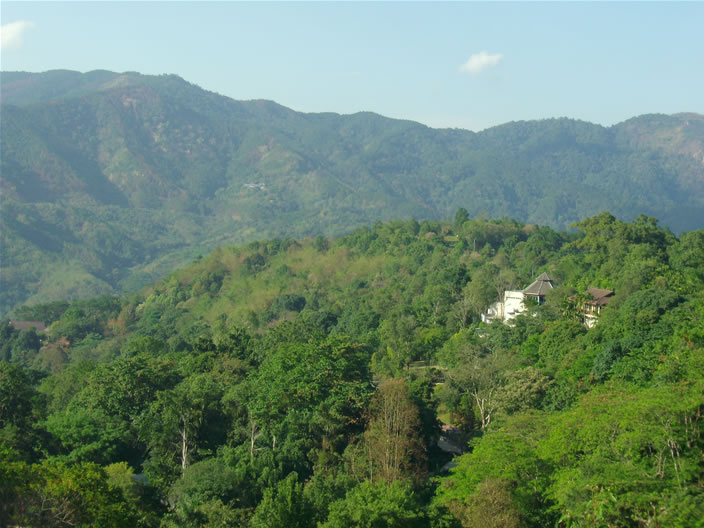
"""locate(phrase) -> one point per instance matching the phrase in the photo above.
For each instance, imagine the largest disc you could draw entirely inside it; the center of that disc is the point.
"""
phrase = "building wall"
(513, 304)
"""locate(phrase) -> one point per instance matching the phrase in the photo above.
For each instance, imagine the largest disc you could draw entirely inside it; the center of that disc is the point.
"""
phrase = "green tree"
(308, 397)
(126, 386)
(183, 423)
(377, 504)
(21, 410)
(284, 505)
(52, 494)
(521, 390)
(491, 506)
(478, 377)
(207, 494)
(91, 435)
(622, 455)
(505, 464)
(461, 216)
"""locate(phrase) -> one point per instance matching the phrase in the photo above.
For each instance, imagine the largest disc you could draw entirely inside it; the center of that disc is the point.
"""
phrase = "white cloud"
(11, 34)
(479, 61)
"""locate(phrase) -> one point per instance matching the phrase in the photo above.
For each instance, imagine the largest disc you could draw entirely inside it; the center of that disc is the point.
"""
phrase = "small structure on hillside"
(591, 309)
(505, 310)
(539, 288)
(514, 300)
(39, 326)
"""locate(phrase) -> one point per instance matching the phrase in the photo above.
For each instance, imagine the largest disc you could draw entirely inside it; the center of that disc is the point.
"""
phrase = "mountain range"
(110, 180)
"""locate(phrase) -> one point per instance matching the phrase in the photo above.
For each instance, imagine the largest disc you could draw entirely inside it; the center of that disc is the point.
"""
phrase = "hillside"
(307, 383)
(110, 180)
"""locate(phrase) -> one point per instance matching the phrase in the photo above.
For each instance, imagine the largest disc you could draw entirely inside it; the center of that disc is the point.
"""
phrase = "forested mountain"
(110, 180)
(304, 383)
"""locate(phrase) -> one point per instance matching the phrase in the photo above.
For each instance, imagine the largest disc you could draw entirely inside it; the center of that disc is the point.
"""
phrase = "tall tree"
(394, 446)
(184, 421)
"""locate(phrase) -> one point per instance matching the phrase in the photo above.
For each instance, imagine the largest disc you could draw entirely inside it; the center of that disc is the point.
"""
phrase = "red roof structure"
(591, 309)
(39, 326)
(600, 297)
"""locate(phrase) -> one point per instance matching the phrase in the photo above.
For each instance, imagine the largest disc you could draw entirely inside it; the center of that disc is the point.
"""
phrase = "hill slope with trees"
(111, 180)
(304, 383)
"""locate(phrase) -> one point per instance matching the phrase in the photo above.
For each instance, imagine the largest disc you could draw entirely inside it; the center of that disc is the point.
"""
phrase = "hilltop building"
(591, 310)
(514, 300)
(539, 288)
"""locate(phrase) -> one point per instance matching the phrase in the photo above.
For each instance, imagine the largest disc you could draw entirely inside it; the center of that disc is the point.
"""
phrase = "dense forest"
(329, 382)
(112, 180)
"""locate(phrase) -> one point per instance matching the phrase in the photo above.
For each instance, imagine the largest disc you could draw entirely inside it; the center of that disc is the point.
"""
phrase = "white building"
(514, 300)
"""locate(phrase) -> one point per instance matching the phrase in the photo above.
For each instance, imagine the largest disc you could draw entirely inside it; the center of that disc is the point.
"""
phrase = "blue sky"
(456, 64)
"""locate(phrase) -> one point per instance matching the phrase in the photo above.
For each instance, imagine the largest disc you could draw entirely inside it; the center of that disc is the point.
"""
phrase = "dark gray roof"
(541, 286)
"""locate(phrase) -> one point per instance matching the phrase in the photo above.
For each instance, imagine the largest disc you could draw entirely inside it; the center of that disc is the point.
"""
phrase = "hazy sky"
(457, 64)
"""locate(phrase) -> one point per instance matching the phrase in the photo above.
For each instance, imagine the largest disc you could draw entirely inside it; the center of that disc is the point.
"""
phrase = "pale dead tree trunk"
(675, 454)
(692, 426)
(660, 465)
(478, 379)
(485, 406)
(673, 445)
(184, 443)
(254, 434)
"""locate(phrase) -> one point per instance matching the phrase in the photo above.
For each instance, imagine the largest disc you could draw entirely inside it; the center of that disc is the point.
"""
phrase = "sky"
(468, 65)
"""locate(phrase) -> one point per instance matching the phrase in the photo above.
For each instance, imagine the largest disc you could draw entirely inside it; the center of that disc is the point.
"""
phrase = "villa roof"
(600, 297)
(541, 286)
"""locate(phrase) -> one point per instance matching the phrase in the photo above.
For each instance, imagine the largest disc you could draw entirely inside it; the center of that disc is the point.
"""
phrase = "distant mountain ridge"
(111, 179)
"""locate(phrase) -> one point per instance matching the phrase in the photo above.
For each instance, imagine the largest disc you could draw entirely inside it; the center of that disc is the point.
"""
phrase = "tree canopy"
(352, 382)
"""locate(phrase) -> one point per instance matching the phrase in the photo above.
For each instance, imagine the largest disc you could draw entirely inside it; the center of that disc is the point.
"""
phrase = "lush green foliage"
(304, 383)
